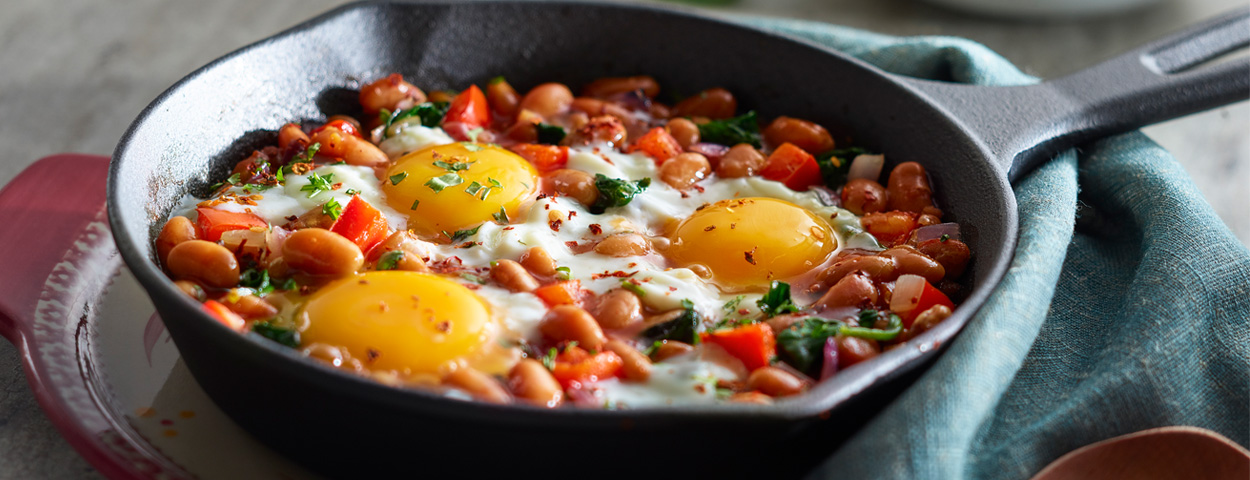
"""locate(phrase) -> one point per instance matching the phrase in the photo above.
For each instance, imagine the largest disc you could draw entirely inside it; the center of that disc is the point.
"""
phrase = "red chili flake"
(618, 274)
(743, 311)
(508, 228)
(672, 289)
(468, 244)
(372, 354)
(542, 196)
(304, 289)
(555, 224)
(684, 194)
(595, 229)
(631, 265)
(547, 206)
(443, 326)
(571, 244)
(709, 228)
(698, 187)
(701, 207)
(363, 282)
(733, 226)
(383, 306)
(292, 218)
(336, 186)
(750, 256)
(572, 214)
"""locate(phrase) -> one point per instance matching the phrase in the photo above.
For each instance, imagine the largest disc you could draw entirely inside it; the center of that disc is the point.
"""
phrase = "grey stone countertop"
(75, 72)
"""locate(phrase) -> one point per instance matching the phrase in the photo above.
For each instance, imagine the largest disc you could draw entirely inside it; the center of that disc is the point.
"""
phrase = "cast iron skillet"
(973, 141)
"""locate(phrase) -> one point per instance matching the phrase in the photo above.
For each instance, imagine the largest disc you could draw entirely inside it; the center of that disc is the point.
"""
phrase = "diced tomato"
(212, 222)
(568, 292)
(544, 157)
(224, 315)
(891, 228)
(343, 126)
(792, 166)
(469, 108)
(657, 144)
(754, 344)
(929, 297)
(362, 224)
(576, 366)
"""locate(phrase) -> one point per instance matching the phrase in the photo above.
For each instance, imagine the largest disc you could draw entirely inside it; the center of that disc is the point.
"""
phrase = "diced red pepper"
(754, 344)
(792, 166)
(224, 315)
(930, 296)
(544, 157)
(212, 222)
(362, 224)
(343, 126)
(657, 144)
(469, 108)
(577, 366)
(568, 292)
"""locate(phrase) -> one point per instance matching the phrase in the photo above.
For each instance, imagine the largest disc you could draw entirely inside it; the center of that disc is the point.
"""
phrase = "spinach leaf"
(615, 192)
(683, 328)
(430, 113)
(257, 280)
(777, 300)
(550, 134)
(803, 343)
(282, 335)
(835, 164)
(732, 131)
(892, 330)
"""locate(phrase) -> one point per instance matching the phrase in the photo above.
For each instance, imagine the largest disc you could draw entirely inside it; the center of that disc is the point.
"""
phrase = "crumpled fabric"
(1125, 308)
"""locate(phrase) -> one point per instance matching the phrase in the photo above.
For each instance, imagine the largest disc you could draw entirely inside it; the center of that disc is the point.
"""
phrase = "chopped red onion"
(951, 230)
(633, 100)
(830, 365)
(712, 151)
(866, 166)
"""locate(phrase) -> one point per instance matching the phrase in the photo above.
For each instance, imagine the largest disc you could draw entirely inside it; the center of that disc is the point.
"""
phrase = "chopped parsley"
(550, 134)
(257, 280)
(472, 134)
(390, 260)
(453, 167)
(944, 238)
(398, 177)
(461, 235)
(549, 360)
(501, 216)
(564, 273)
(437, 184)
(732, 131)
(332, 208)
(777, 300)
(414, 204)
(481, 192)
(430, 113)
(732, 305)
(351, 191)
(234, 179)
(318, 184)
(683, 328)
(308, 154)
(633, 287)
(282, 335)
(615, 192)
(803, 344)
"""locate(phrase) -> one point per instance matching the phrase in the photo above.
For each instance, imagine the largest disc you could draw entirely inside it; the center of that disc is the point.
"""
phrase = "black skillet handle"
(1022, 126)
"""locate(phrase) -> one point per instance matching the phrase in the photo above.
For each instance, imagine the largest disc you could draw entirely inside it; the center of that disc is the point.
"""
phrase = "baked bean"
(442, 96)
(911, 261)
(876, 267)
(618, 308)
(391, 93)
(250, 307)
(909, 188)
(637, 367)
(548, 100)
(623, 245)
(480, 385)
(685, 170)
(775, 382)
(408, 243)
(539, 262)
(177, 230)
(601, 129)
(952, 254)
(529, 380)
(192, 289)
(315, 217)
(669, 349)
(352, 149)
(862, 195)
(759, 398)
(889, 227)
(577, 184)
(927, 319)
(743, 160)
(713, 103)
(570, 323)
(854, 290)
(326, 353)
(291, 133)
(608, 86)
(852, 350)
(317, 251)
(350, 120)
(513, 276)
(503, 99)
(203, 262)
(684, 131)
(782, 322)
(803, 134)
(660, 111)
(926, 219)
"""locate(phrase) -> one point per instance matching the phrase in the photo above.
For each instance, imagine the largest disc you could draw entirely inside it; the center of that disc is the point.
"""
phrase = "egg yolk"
(398, 320)
(456, 186)
(750, 241)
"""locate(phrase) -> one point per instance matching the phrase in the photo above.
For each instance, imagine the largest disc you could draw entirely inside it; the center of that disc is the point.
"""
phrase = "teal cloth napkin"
(1126, 306)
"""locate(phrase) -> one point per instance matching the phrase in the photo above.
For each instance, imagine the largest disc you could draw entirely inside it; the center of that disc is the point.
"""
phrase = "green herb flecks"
(564, 273)
(437, 184)
(318, 184)
(414, 204)
(732, 131)
(308, 154)
(233, 179)
(282, 335)
(732, 305)
(777, 301)
(398, 177)
(549, 360)
(633, 287)
(501, 217)
(550, 134)
(332, 208)
(430, 113)
(389, 260)
(835, 164)
(462, 235)
(802, 345)
(615, 192)
(452, 167)
(257, 280)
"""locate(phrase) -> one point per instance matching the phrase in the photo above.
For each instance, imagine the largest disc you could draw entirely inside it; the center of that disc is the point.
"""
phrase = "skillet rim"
(822, 398)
